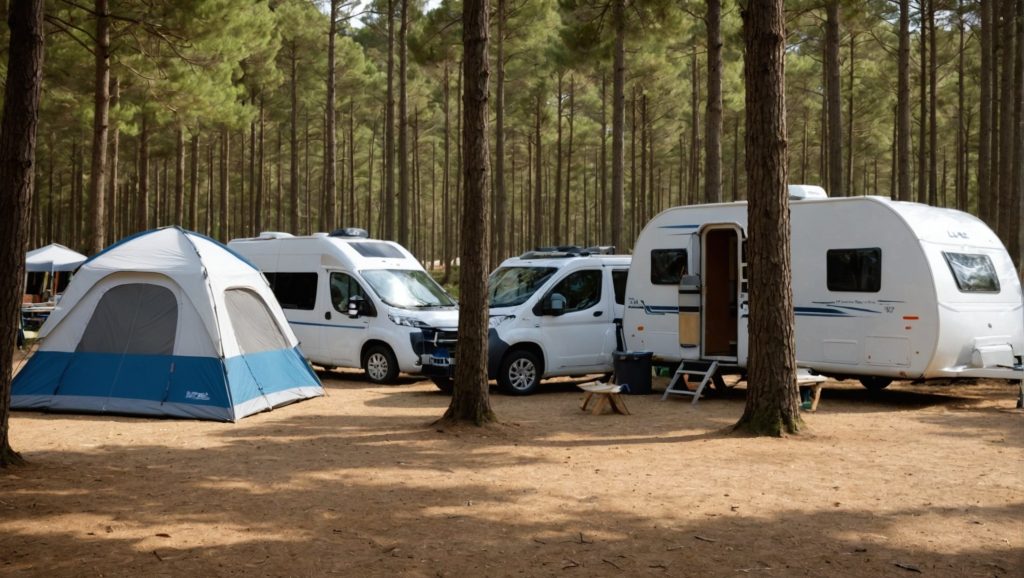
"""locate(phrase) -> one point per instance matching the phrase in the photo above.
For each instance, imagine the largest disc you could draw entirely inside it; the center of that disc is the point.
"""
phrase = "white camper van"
(354, 301)
(881, 290)
(553, 313)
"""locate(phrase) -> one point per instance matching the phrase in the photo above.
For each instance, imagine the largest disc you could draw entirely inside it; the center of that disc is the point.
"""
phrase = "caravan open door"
(723, 294)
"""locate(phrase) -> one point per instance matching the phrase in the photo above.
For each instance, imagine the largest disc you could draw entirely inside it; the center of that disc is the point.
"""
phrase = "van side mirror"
(554, 304)
(355, 306)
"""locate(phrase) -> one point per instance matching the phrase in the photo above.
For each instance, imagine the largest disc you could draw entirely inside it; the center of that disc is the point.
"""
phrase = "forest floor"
(911, 480)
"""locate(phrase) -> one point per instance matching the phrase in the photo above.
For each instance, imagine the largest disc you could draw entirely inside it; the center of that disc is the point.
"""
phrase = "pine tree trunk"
(17, 174)
(556, 224)
(501, 223)
(922, 144)
(208, 221)
(961, 141)
(1007, 211)
(260, 183)
(985, 130)
(904, 192)
(772, 397)
(695, 144)
(470, 401)
(604, 227)
(142, 202)
(224, 224)
(538, 196)
(618, 123)
(353, 213)
(568, 159)
(115, 144)
(713, 128)
(446, 254)
(849, 120)
(1016, 243)
(100, 127)
(293, 181)
(933, 133)
(388, 162)
(193, 201)
(835, 121)
(403, 124)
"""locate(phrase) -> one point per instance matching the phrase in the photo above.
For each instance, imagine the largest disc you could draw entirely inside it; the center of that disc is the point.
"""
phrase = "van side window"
(667, 266)
(973, 273)
(582, 290)
(854, 270)
(343, 286)
(294, 290)
(619, 284)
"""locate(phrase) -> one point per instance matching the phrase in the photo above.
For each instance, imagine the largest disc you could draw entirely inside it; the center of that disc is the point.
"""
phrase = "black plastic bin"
(633, 371)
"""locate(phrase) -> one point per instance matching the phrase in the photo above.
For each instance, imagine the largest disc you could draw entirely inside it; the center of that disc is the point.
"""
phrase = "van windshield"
(407, 288)
(511, 286)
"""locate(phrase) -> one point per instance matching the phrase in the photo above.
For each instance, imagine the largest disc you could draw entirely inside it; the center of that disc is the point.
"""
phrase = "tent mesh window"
(133, 319)
(255, 327)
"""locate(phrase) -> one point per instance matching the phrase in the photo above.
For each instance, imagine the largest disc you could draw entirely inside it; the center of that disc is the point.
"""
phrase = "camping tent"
(54, 257)
(167, 322)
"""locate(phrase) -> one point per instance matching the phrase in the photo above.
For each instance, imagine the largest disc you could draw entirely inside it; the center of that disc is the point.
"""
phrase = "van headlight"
(407, 321)
(497, 320)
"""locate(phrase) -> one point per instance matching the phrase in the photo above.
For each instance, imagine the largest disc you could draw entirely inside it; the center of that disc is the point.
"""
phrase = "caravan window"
(667, 266)
(294, 290)
(973, 273)
(854, 270)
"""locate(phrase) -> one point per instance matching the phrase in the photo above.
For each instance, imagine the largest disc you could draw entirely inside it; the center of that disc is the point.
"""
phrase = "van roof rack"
(350, 232)
(567, 251)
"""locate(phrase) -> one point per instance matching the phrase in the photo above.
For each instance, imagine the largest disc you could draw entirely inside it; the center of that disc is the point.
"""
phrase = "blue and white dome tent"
(169, 323)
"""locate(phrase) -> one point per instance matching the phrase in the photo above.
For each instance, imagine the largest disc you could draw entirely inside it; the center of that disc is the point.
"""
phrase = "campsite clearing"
(357, 483)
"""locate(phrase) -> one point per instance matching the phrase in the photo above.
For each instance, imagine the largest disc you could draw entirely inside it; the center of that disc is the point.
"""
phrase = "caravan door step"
(678, 386)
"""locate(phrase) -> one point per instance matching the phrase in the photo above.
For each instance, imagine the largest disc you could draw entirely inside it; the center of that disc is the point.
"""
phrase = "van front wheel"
(520, 373)
(380, 365)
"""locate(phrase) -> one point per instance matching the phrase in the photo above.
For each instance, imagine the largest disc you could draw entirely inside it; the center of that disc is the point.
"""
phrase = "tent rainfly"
(168, 323)
(54, 257)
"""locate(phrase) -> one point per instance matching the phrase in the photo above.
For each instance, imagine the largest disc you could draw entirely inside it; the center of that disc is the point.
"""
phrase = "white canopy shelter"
(54, 257)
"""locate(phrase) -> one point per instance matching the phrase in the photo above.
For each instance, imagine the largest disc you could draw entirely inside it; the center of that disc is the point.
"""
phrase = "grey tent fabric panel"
(134, 319)
(255, 328)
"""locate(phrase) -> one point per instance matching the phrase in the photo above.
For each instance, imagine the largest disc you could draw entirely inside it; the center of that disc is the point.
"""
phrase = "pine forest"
(232, 117)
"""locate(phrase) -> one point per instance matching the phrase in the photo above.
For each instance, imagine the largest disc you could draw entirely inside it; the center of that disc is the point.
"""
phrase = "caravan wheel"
(380, 365)
(875, 383)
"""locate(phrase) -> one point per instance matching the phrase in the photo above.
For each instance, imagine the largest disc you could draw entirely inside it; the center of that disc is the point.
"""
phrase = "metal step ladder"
(705, 369)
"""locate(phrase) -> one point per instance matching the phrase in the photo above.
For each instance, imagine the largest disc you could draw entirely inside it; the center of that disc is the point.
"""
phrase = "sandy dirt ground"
(912, 480)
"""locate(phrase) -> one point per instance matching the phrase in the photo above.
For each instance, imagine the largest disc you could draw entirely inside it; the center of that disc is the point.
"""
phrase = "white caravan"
(354, 301)
(881, 290)
(554, 312)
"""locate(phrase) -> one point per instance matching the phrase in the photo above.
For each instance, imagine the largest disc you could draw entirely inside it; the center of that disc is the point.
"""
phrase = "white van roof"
(338, 250)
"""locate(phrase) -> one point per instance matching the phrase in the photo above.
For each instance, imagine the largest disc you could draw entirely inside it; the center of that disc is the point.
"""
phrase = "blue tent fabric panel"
(40, 375)
(106, 376)
(273, 371)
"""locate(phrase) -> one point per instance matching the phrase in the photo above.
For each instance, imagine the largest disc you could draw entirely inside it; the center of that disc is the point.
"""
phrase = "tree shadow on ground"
(324, 513)
(378, 493)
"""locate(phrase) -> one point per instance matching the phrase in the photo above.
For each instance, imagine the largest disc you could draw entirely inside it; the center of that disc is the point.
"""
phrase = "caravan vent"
(275, 235)
(805, 192)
